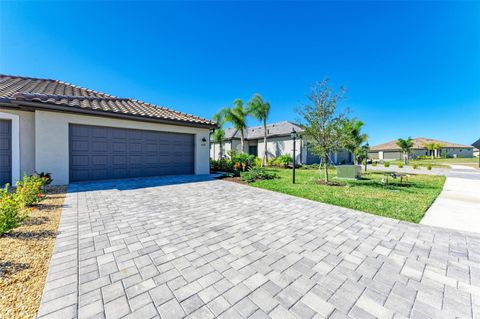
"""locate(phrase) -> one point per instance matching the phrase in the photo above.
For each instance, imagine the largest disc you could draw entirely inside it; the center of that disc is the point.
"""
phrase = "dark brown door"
(98, 152)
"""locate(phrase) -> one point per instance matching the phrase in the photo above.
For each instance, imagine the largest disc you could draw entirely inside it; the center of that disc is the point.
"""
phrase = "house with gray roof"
(391, 151)
(79, 134)
(279, 142)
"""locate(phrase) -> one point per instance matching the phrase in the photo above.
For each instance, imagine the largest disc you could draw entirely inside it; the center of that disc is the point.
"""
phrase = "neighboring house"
(391, 151)
(476, 149)
(79, 134)
(279, 142)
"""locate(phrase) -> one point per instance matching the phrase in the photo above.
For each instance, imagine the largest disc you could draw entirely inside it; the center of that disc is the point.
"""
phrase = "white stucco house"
(78, 134)
(391, 151)
(279, 142)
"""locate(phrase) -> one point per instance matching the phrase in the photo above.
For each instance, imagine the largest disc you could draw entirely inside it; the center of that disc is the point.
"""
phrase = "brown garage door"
(5, 152)
(98, 152)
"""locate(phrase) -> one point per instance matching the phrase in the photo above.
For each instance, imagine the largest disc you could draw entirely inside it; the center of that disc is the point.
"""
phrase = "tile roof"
(275, 129)
(54, 92)
(418, 143)
(476, 144)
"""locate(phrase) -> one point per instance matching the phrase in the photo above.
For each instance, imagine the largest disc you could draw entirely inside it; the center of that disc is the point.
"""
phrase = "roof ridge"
(70, 97)
(56, 81)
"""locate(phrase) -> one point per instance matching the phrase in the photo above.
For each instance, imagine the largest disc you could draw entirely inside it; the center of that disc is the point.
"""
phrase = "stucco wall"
(277, 146)
(51, 140)
(26, 138)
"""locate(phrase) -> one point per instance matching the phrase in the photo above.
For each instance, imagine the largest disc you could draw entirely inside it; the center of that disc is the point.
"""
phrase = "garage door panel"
(79, 145)
(103, 153)
(80, 160)
(99, 160)
(79, 131)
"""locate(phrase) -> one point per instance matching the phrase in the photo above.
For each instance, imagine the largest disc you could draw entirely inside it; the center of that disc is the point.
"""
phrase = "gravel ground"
(25, 255)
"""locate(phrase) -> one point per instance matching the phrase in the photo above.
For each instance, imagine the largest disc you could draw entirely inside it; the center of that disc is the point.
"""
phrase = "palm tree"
(237, 115)
(438, 147)
(219, 134)
(431, 147)
(406, 147)
(355, 138)
(260, 110)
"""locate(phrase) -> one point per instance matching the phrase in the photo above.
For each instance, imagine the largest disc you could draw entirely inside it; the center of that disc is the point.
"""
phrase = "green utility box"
(349, 171)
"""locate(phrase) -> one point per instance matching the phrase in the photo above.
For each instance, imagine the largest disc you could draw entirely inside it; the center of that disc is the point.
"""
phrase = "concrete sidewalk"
(458, 206)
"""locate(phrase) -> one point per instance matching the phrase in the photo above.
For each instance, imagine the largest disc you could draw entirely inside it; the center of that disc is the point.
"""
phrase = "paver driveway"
(183, 246)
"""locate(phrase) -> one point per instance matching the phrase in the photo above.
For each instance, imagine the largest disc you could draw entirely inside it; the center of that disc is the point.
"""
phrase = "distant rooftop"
(275, 129)
(418, 143)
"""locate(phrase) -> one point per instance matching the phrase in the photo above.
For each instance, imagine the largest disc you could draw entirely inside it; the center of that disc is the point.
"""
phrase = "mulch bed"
(25, 255)
(329, 183)
(235, 180)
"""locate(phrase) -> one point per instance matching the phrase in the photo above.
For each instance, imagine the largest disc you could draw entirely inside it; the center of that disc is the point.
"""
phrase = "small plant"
(386, 164)
(374, 163)
(429, 167)
(47, 177)
(415, 166)
(285, 160)
(245, 161)
(256, 173)
(400, 165)
(257, 162)
(29, 190)
(12, 213)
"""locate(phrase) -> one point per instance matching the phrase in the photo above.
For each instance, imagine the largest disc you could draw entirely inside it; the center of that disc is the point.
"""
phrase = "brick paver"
(191, 247)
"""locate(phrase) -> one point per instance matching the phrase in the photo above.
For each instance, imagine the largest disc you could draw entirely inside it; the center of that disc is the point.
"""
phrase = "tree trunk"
(214, 151)
(241, 141)
(264, 161)
(405, 157)
(326, 168)
(221, 151)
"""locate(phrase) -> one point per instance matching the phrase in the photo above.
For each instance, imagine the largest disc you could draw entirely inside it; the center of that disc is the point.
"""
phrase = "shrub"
(256, 173)
(47, 177)
(420, 157)
(222, 165)
(386, 164)
(29, 190)
(245, 160)
(400, 165)
(415, 166)
(271, 161)
(374, 164)
(284, 160)
(257, 162)
(429, 167)
(11, 212)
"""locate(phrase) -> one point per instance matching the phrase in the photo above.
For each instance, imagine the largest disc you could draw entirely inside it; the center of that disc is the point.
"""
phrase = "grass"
(407, 203)
(440, 162)
(24, 257)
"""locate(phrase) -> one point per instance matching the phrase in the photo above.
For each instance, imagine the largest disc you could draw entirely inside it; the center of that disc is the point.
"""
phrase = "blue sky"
(411, 68)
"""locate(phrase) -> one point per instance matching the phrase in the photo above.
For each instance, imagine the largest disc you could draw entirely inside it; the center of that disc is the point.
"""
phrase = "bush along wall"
(15, 203)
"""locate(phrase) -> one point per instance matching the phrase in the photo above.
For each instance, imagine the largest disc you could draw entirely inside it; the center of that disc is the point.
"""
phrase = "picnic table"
(403, 177)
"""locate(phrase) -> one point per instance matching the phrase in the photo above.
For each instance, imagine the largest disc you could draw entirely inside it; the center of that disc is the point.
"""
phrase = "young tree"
(353, 129)
(237, 116)
(324, 126)
(406, 147)
(260, 110)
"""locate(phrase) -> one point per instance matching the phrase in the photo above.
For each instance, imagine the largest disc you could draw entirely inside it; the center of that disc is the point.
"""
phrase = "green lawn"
(407, 203)
(439, 162)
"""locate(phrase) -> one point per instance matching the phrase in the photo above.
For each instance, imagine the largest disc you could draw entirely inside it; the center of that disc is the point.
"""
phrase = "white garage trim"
(15, 144)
